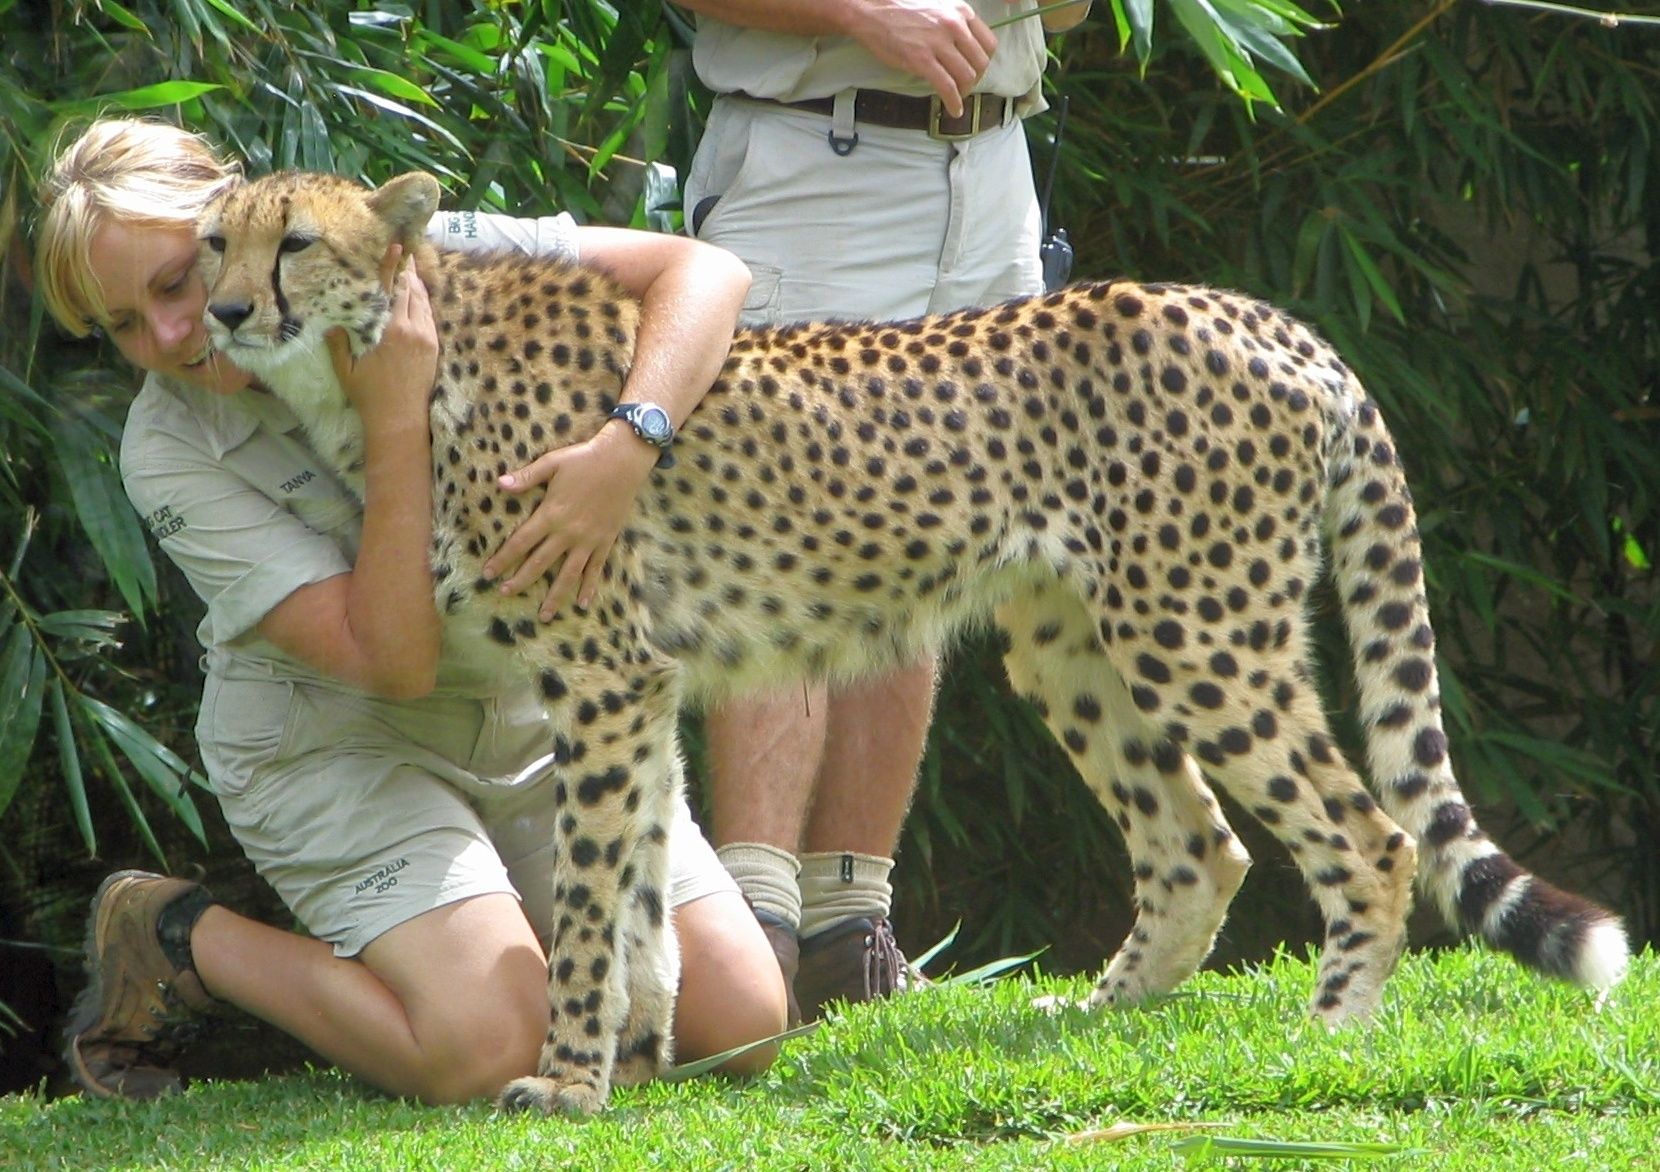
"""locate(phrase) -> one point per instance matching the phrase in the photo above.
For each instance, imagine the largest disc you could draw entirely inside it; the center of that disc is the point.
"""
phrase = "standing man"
(866, 159)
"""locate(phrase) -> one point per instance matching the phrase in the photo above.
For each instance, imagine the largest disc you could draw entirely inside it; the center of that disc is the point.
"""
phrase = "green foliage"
(1469, 1058)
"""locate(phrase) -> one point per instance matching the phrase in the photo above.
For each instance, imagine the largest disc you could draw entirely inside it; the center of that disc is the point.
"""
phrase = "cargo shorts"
(899, 226)
(363, 813)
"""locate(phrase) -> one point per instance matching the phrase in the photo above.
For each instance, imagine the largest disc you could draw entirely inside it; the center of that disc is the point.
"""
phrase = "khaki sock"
(767, 877)
(842, 885)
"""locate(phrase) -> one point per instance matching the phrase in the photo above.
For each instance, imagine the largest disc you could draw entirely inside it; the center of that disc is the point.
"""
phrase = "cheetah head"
(287, 258)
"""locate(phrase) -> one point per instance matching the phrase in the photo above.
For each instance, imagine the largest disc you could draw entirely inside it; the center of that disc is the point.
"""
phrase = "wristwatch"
(652, 424)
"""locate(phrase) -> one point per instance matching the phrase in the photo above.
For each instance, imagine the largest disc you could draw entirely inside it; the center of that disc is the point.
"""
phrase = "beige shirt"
(790, 68)
(235, 498)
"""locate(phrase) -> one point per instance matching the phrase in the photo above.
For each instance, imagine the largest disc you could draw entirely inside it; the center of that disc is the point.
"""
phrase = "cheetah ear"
(405, 204)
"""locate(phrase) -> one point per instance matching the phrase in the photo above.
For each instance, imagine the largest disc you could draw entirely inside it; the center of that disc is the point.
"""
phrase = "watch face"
(654, 424)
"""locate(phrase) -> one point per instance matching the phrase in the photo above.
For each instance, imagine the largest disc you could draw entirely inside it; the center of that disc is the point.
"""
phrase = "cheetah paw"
(550, 1097)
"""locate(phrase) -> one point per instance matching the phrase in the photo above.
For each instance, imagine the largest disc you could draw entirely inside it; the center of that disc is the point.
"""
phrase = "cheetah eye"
(215, 242)
(295, 242)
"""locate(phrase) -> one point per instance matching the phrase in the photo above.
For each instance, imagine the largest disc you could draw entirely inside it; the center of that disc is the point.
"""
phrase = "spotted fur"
(1136, 482)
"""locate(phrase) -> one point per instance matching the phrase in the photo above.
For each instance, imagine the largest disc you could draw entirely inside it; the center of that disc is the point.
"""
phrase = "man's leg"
(875, 737)
(764, 753)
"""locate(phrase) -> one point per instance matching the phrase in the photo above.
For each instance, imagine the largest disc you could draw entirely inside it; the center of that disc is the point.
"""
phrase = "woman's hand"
(590, 488)
(690, 294)
(376, 627)
(391, 384)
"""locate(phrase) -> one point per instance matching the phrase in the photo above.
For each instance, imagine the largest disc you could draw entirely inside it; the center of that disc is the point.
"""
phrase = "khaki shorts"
(900, 226)
(364, 813)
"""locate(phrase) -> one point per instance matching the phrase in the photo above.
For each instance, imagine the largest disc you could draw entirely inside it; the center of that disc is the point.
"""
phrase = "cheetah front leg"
(645, 1047)
(611, 968)
(1188, 863)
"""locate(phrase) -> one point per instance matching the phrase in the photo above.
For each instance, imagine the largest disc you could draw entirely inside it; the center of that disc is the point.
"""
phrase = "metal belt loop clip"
(843, 136)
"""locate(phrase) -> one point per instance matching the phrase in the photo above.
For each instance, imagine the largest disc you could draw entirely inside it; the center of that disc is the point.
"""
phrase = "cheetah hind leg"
(1277, 759)
(1187, 861)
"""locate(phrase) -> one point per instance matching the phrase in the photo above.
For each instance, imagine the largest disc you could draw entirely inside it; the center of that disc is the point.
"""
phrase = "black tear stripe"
(276, 291)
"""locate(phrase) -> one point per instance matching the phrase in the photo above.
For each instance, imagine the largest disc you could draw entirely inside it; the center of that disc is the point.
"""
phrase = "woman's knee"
(731, 991)
(477, 1051)
(472, 982)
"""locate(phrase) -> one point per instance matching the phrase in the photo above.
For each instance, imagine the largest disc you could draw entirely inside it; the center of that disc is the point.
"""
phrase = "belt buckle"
(936, 112)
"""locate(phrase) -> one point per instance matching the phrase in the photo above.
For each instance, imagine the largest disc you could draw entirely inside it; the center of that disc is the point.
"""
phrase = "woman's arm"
(690, 295)
(376, 627)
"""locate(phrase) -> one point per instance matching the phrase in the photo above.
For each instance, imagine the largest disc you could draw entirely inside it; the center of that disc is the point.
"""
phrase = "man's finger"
(951, 95)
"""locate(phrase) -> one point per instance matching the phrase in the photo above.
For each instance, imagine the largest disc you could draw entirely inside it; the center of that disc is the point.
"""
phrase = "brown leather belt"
(910, 112)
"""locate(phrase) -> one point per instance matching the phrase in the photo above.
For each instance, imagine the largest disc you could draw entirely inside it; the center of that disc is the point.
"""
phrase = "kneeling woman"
(394, 804)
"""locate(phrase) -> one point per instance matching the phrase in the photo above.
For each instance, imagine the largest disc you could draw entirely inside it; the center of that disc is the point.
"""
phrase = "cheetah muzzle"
(1138, 483)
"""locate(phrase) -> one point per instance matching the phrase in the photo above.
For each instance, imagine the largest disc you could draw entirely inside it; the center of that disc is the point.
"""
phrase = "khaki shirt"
(788, 68)
(235, 498)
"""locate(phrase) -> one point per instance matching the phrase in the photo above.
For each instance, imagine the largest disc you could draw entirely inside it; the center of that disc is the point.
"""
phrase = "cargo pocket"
(241, 728)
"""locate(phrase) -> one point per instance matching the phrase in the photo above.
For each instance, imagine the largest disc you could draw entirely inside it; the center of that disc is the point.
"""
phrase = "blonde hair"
(137, 171)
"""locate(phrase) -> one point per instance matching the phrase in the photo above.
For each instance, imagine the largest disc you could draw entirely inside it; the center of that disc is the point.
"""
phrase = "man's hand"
(942, 42)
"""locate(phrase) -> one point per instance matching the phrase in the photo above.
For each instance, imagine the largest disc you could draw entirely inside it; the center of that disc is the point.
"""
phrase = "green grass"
(1472, 1064)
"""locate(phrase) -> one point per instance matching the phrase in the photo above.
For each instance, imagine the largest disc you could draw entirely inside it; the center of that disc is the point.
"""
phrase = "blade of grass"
(688, 1070)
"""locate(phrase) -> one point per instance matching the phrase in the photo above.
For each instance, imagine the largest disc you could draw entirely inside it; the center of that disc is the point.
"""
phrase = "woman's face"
(154, 297)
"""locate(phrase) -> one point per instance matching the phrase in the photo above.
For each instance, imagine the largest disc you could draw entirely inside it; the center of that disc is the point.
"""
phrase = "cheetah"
(1137, 483)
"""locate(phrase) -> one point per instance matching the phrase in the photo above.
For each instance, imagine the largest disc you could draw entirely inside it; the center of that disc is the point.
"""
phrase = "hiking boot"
(787, 948)
(143, 999)
(855, 960)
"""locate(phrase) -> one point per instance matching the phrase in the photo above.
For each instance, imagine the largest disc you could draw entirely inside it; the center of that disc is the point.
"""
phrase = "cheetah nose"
(232, 313)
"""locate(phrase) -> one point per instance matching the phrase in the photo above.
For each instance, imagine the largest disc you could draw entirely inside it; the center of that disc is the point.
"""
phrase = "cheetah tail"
(1376, 565)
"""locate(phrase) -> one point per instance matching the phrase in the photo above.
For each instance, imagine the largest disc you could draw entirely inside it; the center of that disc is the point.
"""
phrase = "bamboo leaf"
(161, 769)
(464, 55)
(403, 111)
(16, 386)
(1226, 56)
(1522, 573)
(123, 16)
(22, 682)
(148, 97)
(118, 781)
(394, 86)
(1138, 15)
(96, 627)
(1371, 274)
(69, 761)
(230, 13)
(104, 512)
(1262, 38)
